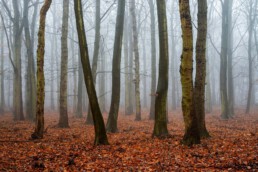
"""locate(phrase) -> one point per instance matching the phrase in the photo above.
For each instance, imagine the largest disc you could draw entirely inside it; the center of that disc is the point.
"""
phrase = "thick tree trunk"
(199, 89)
(100, 132)
(39, 129)
(63, 114)
(89, 119)
(136, 61)
(191, 135)
(153, 61)
(160, 126)
(115, 97)
(17, 33)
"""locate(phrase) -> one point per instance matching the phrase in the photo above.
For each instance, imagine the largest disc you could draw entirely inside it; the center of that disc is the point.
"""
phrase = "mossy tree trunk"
(153, 60)
(191, 135)
(63, 114)
(89, 119)
(99, 126)
(39, 129)
(199, 86)
(160, 126)
(136, 62)
(115, 96)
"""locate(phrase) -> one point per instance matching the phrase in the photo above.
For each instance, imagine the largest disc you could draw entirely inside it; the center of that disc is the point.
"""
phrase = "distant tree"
(2, 99)
(116, 66)
(160, 126)
(199, 86)
(39, 129)
(191, 135)
(137, 62)
(100, 132)
(153, 60)
(63, 114)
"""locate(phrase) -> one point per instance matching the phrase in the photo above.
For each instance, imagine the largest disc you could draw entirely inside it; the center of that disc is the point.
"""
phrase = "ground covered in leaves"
(232, 147)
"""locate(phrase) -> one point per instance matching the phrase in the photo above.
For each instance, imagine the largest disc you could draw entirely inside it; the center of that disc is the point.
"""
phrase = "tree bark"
(115, 97)
(137, 62)
(63, 114)
(199, 89)
(39, 129)
(191, 135)
(160, 126)
(99, 126)
(2, 100)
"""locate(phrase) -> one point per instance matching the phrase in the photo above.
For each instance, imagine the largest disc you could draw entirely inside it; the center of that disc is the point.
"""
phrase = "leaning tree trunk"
(160, 126)
(115, 97)
(79, 90)
(100, 132)
(153, 60)
(191, 135)
(63, 114)
(39, 129)
(199, 89)
(137, 62)
(89, 119)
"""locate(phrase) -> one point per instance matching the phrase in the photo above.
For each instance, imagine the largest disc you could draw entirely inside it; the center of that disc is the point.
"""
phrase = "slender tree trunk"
(79, 90)
(191, 135)
(160, 126)
(39, 129)
(224, 62)
(153, 60)
(100, 132)
(115, 96)
(102, 80)
(231, 98)
(2, 100)
(89, 119)
(208, 96)
(173, 62)
(199, 89)
(63, 114)
(137, 62)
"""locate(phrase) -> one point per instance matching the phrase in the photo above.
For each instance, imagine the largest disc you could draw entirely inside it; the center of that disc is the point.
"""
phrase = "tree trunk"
(199, 89)
(100, 132)
(102, 80)
(89, 119)
(79, 90)
(160, 126)
(224, 62)
(17, 33)
(115, 97)
(137, 62)
(63, 114)
(153, 60)
(191, 135)
(2, 100)
(39, 129)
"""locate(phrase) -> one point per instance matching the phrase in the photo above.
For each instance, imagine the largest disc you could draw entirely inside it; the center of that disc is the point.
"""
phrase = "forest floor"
(232, 147)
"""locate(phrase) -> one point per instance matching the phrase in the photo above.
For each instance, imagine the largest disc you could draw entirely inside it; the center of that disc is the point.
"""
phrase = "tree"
(115, 96)
(224, 62)
(63, 115)
(100, 132)
(199, 86)
(153, 60)
(95, 54)
(31, 78)
(160, 126)
(191, 135)
(137, 63)
(2, 100)
(39, 129)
